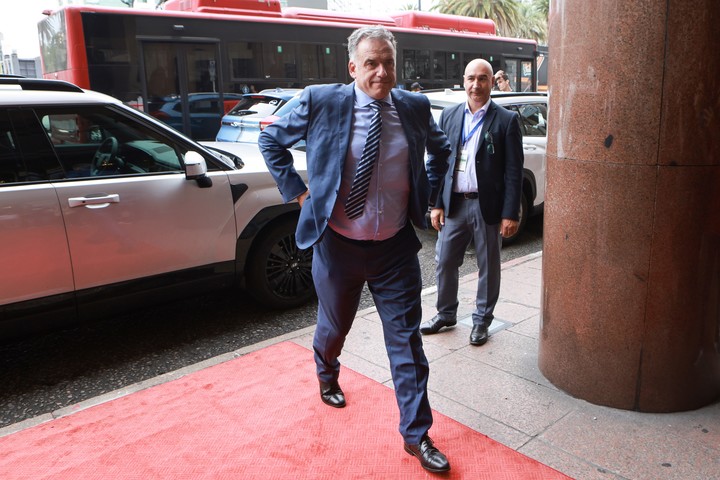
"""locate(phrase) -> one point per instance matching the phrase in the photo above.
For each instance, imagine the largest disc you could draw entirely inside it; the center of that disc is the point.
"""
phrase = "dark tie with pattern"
(355, 203)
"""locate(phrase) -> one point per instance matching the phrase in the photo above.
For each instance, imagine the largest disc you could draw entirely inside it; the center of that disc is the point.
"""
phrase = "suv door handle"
(97, 199)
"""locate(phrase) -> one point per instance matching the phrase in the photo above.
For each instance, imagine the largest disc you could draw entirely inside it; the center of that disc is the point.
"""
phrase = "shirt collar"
(363, 99)
(482, 110)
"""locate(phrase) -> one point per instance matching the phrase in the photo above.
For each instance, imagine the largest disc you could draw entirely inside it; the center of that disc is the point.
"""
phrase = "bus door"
(182, 86)
(520, 74)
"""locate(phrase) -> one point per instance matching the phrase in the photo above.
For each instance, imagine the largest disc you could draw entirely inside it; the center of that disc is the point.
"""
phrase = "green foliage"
(513, 18)
(534, 24)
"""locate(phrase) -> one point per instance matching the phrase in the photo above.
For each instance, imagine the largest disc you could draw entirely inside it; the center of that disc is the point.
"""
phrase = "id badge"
(462, 162)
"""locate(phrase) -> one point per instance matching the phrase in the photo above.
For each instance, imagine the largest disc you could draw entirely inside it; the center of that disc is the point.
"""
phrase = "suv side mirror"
(196, 169)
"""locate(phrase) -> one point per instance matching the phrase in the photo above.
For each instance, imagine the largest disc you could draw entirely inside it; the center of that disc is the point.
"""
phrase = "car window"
(534, 119)
(11, 163)
(204, 106)
(95, 141)
(25, 154)
(288, 106)
(258, 106)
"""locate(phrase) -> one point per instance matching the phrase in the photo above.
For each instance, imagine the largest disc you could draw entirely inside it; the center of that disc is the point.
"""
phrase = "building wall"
(27, 67)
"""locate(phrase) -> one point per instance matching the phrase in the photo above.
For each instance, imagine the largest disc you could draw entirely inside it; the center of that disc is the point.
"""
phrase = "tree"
(534, 21)
(505, 13)
(542, 6)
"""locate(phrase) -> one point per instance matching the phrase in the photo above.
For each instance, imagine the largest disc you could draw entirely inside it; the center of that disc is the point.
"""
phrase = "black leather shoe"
(435, 324)
(479, 335)
(331, 394)
(430, 457)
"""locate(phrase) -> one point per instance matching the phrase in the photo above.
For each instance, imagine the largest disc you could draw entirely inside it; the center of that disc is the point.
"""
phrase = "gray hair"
(375, 31)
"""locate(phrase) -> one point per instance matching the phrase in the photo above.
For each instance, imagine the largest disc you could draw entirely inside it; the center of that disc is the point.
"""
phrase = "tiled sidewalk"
(497, 389)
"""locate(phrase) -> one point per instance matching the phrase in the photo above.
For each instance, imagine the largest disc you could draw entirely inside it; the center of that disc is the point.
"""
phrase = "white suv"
(104, 209)
(532, 110)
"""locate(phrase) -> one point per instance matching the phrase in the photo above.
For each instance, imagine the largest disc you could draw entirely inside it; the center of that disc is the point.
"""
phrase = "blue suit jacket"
(498, 162)
(324, 119)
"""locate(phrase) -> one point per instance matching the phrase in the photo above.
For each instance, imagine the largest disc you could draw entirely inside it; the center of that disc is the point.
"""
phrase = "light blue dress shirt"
(387, 200)
(466, 180)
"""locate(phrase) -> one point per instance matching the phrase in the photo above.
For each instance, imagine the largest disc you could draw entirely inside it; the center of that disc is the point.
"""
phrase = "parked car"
(532, 110)
(243, 122)
(285, 109)
(103, 209)
(204, 110)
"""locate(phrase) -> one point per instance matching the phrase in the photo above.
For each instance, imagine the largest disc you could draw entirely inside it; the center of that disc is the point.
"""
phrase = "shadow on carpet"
(255, 417)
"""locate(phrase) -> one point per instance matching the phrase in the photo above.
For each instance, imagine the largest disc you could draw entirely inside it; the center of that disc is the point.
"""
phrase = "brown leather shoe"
(435, 324)
(331, 394)
(479, 335)
(431, 459)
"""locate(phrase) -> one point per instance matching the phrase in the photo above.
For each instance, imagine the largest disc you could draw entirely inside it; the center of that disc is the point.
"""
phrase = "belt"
(466, 195)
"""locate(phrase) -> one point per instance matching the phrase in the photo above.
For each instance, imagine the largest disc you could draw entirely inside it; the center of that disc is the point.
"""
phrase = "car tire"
(524, 213)
(279, 274)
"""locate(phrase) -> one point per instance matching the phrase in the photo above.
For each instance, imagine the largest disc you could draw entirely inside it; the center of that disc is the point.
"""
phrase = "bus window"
(53, 43)
(438, 66)
(511, 69)
(202, 68)
(280, 61)
(319, 62)
(526, 76)
(245, 60)
(446, 65)
(416, 64)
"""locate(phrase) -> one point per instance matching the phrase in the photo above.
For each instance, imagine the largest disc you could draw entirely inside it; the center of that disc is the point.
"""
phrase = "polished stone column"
(631, 260)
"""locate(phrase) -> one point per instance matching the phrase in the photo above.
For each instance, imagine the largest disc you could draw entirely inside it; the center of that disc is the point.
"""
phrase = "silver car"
(245, 121)
(532, 109)
(104, 209)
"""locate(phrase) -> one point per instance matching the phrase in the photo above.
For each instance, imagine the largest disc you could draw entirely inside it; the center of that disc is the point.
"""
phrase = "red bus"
(194, 57)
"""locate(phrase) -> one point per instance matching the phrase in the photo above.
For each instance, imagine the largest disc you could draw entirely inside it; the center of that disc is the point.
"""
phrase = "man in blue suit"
(371, 240)
(480, 200)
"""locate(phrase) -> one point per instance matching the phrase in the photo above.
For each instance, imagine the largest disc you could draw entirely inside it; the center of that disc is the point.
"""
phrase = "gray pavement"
(498, 390)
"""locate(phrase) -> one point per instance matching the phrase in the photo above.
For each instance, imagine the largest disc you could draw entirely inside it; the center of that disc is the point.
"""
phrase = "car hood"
(252, 158)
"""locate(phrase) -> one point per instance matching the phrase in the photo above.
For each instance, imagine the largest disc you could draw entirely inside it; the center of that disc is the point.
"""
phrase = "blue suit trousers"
(392, 271)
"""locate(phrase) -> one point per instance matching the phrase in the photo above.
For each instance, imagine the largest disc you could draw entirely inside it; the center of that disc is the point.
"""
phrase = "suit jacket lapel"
(459, 124)
(346, 100)
(489, 119)
(404, 113)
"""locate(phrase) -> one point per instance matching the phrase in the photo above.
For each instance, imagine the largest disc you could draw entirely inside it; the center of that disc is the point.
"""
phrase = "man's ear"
(351, 68)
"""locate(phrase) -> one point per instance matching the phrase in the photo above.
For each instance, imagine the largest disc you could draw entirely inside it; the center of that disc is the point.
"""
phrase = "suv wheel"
(279, 273)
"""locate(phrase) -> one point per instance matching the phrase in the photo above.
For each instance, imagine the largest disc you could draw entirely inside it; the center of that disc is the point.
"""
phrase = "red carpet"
(259, 416)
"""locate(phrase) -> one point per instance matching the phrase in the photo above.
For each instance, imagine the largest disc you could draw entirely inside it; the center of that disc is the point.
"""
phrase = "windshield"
(53, 43)
(256, 105)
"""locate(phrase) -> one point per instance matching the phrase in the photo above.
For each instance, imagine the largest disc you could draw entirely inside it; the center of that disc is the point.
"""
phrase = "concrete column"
(631, 260)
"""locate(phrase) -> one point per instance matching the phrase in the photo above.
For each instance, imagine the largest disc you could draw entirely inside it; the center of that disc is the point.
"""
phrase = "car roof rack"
(39, 84)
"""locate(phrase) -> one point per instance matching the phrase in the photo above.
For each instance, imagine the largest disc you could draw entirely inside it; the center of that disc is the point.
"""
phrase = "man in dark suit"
(368, 237)
(480, 199)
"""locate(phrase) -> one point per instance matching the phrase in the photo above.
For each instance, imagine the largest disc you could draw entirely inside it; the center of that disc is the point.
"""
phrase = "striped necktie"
(355, 203)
